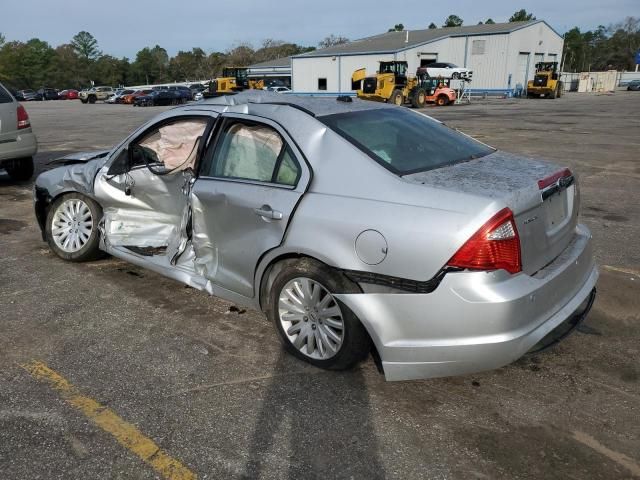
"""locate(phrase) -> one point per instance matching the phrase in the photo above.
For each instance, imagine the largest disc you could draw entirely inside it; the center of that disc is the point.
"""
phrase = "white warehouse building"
(500, 55)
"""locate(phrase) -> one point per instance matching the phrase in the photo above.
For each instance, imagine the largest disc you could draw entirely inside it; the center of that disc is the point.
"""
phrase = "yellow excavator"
(545, 82)
(233, 80)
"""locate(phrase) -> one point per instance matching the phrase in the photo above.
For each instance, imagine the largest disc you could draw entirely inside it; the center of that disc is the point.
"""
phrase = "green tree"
(521, 16)
(453, 21)
(241, 55)
(85, 45)
(332, 40)
(215, 63)
(398, 27)
(432, 26)
(67, 69)
(188, 65)
(272, 49)
(110, 70)
(151, 65)
(489, 21)
(27, 64)
(2, 39)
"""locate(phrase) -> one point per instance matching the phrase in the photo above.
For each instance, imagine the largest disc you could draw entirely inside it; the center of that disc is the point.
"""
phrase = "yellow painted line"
(125, 433)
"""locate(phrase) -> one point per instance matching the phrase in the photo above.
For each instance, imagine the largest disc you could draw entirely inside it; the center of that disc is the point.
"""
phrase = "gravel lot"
(213, 389)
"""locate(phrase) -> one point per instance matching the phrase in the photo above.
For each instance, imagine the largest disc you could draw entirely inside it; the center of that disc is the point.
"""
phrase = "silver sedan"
(356, 227)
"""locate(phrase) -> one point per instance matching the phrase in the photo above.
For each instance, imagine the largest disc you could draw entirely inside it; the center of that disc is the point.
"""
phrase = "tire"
(70, 208)
(83, 100)
(418, 98)
(396, 98)
(553, 93)
(92, 99)
(22, 170)
(455, 75)
(353, 343)
(442, 100)
(559, 90)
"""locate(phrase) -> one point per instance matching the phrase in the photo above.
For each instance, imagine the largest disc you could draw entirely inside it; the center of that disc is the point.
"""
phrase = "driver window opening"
(173, 147)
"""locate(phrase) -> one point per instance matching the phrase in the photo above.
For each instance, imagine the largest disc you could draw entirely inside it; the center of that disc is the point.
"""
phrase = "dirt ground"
(193, 382)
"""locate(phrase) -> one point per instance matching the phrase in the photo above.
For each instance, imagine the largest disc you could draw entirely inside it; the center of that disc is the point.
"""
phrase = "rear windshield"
(404, 141)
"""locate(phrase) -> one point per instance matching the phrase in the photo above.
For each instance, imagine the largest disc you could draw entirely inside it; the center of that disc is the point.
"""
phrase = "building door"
(427, 58)
(523, 67)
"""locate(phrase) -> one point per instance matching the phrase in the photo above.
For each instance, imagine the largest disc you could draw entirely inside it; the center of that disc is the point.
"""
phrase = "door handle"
(267, 212)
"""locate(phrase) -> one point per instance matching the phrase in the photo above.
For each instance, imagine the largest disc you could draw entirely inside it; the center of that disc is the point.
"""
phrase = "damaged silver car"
(356, 227)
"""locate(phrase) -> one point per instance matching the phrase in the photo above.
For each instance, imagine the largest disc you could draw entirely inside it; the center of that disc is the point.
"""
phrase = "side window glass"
(171, 148)
(289, 170)
(248, 152)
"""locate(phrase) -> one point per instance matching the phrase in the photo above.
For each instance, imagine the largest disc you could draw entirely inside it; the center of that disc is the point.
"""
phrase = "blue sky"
(124, 27)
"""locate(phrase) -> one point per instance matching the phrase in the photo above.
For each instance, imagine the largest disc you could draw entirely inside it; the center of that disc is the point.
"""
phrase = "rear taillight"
(496, 245)
(23, 118)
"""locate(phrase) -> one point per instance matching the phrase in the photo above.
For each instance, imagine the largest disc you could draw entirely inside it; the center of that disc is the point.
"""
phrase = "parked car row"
(45, 94)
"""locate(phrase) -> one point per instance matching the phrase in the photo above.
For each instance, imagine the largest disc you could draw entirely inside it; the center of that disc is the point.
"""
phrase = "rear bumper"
(476, 321)
(25, 145)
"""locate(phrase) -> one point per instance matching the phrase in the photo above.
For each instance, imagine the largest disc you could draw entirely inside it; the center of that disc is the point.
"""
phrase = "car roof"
(315, 106)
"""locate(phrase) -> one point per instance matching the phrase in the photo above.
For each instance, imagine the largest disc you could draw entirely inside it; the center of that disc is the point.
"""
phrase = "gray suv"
(17, 142)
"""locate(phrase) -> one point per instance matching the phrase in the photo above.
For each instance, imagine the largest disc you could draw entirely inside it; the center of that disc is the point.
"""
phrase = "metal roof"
(392, 42)
(283, 62)
(316, 106)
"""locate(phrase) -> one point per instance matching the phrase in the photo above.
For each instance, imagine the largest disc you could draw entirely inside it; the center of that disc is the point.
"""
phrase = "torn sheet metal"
(206, 263)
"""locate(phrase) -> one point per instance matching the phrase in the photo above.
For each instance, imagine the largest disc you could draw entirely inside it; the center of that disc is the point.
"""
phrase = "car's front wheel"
(72, 227)
(312, 324)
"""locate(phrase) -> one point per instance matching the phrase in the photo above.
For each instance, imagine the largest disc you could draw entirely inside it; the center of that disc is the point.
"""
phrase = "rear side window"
(5, 96)
(404, 141)
(254, 152)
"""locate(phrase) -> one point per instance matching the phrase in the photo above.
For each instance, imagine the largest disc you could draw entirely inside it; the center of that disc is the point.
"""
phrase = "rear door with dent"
(249, 184)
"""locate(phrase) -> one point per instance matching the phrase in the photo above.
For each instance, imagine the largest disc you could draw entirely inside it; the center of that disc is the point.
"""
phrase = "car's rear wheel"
(72, 227)
(442, 100)
(20, 170)
(312, 324)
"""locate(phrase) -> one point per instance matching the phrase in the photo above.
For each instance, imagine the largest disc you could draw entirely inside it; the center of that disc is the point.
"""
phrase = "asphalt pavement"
(110, 371)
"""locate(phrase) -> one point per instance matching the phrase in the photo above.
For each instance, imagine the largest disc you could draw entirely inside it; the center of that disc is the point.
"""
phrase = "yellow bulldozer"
(545, 82)
(392, 84)
(233, 80)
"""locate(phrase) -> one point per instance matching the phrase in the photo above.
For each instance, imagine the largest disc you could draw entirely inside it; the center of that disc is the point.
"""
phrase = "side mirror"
(121, 164)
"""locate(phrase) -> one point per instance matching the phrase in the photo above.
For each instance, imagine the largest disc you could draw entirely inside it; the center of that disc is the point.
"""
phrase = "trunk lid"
(543, 197)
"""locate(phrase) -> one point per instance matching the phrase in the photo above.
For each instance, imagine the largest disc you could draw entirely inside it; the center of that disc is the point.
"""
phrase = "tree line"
(35, 63)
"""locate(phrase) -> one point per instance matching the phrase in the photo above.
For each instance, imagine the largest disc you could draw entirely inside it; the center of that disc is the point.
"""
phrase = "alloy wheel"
(72, 225)
(311, 318)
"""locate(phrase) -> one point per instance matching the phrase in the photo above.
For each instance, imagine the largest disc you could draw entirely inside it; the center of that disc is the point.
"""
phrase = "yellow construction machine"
(233, 80)
(545, 82)
(392, 84)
